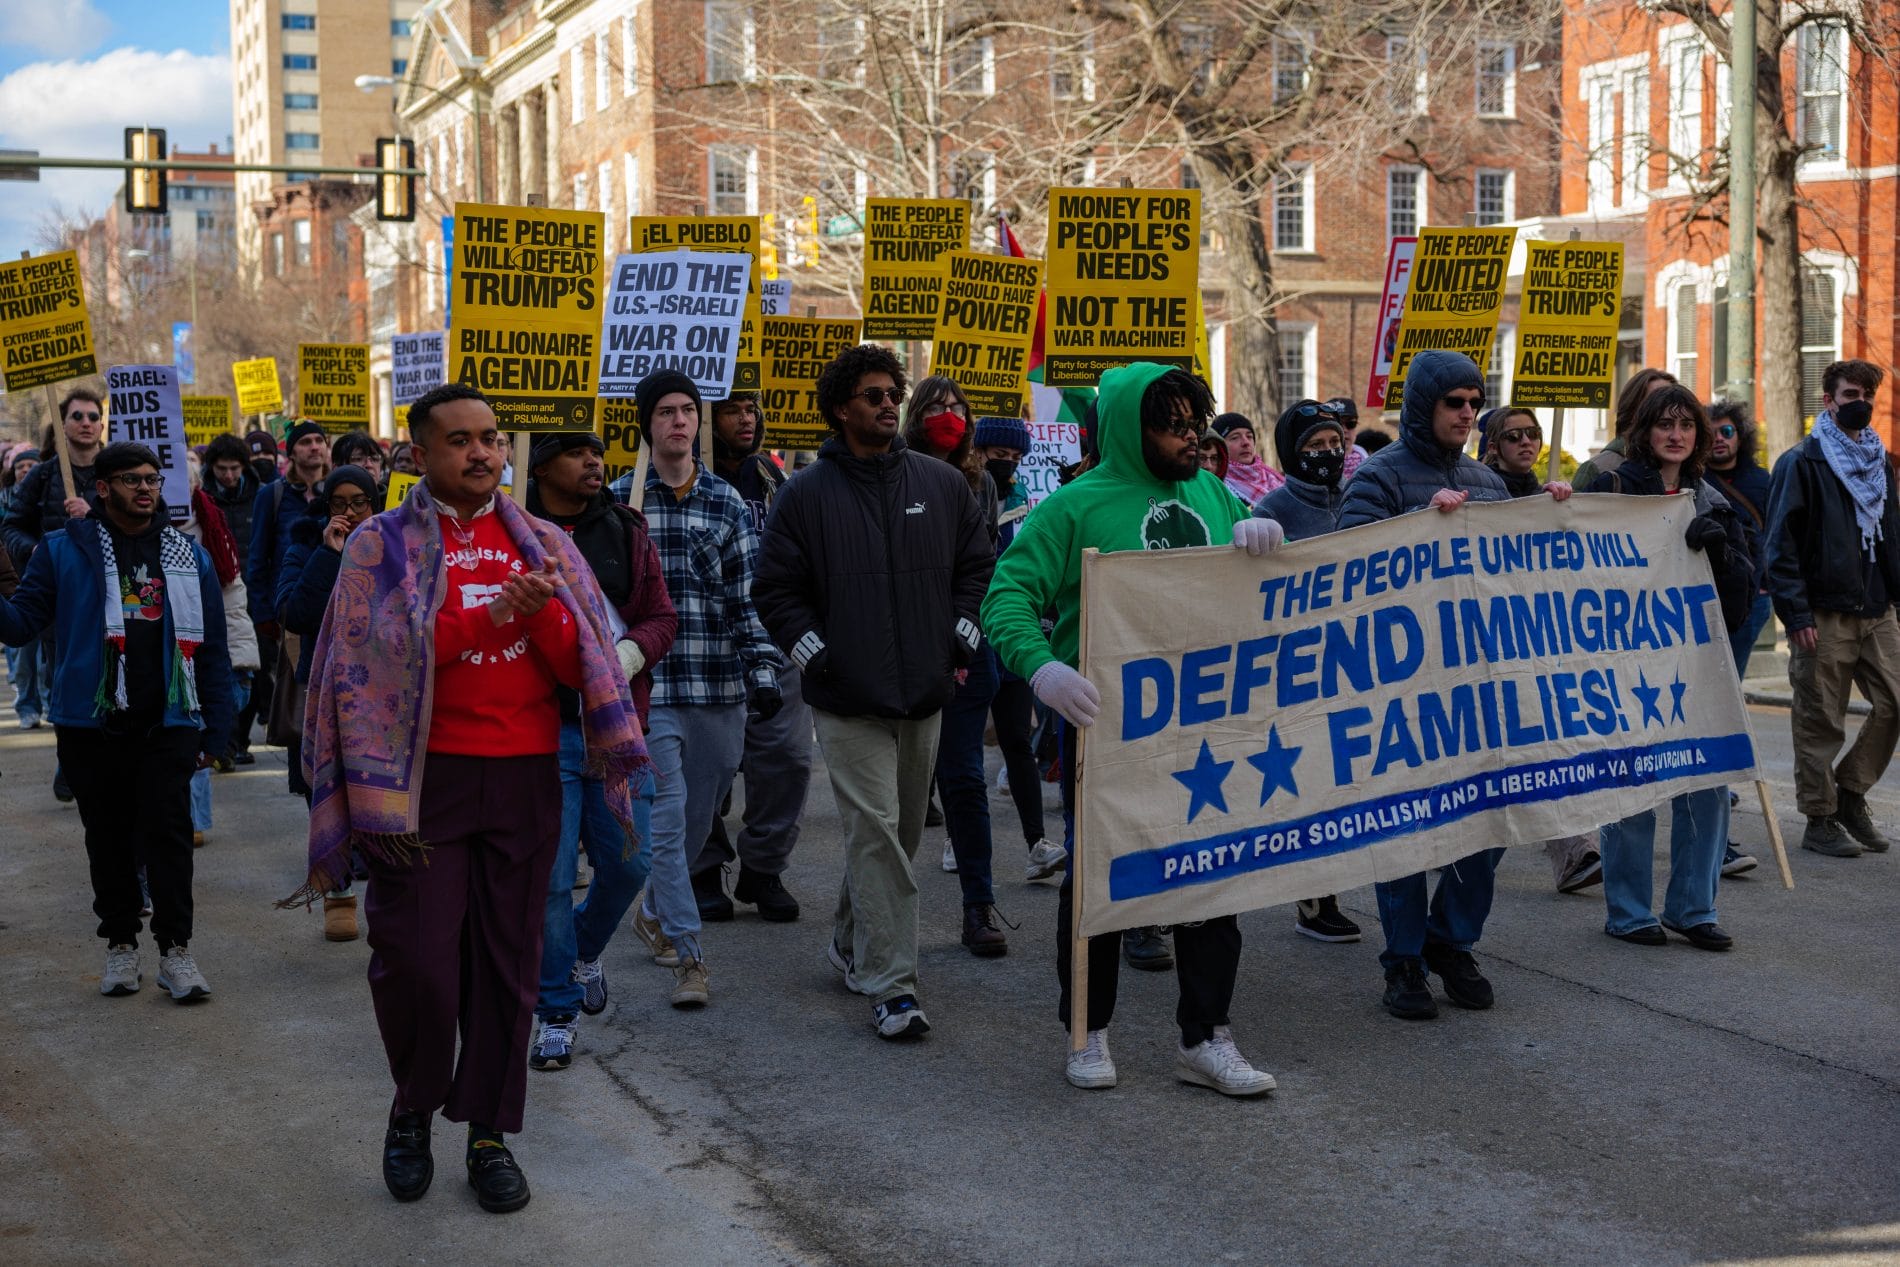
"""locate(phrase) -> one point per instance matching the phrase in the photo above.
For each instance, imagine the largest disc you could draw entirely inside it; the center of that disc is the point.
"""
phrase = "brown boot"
(980, 933)
(339, 918)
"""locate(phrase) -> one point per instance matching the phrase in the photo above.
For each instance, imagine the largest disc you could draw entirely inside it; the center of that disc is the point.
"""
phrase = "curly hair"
(1631, 395)
(226, 447)
(1157, 403)
(838, 381)
(1737, 414)
(1661, 404)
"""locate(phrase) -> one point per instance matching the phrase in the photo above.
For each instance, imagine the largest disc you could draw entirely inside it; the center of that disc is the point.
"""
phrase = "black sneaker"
(1148, 948)
(900, 1018)
(498, 1182)
(1320, 919)
(767, 892)
(933, 817)
(710, 890)
(243, 756)
(1408, 995)
(1458, 971)
(62, 792)
(407, 1164)
(1735, 862)
(1851, 813)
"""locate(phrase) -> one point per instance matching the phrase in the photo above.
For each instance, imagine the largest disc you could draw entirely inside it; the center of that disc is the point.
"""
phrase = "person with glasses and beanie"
(141, 699)
(1149, 493)
(871, 573)
(1427, 469)
(1744, 484)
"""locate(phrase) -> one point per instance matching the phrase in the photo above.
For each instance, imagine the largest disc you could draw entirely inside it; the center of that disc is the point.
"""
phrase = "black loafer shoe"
(1707, 936)
(407, 1165)
(1648, 935)
(1458, 973)
(498, 1182)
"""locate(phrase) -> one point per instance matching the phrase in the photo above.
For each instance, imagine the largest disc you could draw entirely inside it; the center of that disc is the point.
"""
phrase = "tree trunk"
(1253, 361)
(1778, 405)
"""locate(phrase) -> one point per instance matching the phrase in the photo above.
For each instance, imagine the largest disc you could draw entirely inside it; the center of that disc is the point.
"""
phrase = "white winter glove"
(1259, 536)
(1068, 692)
(631, 659)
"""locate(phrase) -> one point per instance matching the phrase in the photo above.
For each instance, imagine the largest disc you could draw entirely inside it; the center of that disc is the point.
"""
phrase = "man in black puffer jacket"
(871, 575)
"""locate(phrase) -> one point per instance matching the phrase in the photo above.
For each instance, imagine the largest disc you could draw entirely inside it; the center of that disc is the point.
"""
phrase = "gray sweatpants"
(777, 770)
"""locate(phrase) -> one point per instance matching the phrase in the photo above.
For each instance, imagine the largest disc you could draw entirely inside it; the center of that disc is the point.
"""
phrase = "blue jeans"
(581, 932)
(1742, 641)
(26, 669)
(966, 793)
(1454, 916)
(1697, 837)
(201, 800)
(695, 750)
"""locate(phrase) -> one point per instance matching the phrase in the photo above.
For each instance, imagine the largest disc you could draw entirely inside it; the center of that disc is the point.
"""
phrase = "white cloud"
(80, 109)
(57, 28)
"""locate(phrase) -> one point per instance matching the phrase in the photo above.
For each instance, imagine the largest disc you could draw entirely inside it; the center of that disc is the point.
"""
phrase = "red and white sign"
(1398, 275)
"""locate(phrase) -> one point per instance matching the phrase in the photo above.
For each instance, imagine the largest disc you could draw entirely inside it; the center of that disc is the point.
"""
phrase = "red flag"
(1012, 247)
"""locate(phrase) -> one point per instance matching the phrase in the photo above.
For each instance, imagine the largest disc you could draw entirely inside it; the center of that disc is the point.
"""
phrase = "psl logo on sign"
(1390, 699)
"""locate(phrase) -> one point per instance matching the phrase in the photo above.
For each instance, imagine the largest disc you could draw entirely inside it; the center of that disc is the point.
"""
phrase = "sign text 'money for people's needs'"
(1367, 705)
(526, 323)
(1123, 271)
(1566, 324)
(984, 324)
(1453, 298)
(674, 310)
(794, 351)
(905, 240)
(713, 233)
(45, 334)
(333, 385)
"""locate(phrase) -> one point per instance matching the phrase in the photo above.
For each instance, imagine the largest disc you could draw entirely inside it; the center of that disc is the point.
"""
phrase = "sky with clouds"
(74, 74)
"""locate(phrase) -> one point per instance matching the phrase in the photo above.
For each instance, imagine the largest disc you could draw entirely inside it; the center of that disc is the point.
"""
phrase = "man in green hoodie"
(1148, 493)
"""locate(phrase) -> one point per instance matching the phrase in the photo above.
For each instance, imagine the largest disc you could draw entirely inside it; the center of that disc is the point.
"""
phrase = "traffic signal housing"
(145, 189)
(395, 195)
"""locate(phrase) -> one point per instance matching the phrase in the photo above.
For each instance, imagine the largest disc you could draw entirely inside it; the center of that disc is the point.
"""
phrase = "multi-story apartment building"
(137, 251)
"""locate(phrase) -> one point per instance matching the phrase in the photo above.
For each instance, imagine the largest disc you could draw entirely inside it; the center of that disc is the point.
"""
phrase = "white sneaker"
(122, 971)
(1045, 862)
(178, 972)
(842, 962)
(949, 857)
(1091, 1068)
(1217, 1063)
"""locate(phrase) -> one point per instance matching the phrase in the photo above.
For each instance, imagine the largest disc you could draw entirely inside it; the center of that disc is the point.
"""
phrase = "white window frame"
(1298, 41)
(1503, 352)
(630, 171)
(1081, 70)
(1306, 335)
(303, 245)
(1302, 174)
(748, 40)
(854, 49)
(1682, 61)
(629, 54)
(1724, 103)
(955, 81)
(1672, 327)
(749, 155)
(1637, 140)
(1599, 98)
(1419, 219)
(1510, 193)
(1803, 38)
(1421, 97)
(605, 175)
(603, 82)
(1509, 107)
(576, 94)
(580, 190)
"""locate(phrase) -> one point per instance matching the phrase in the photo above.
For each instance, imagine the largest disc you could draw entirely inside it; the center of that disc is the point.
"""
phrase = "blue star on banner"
(1203, 781)
(1275, 766)
(1677, 689)
(1646, 694)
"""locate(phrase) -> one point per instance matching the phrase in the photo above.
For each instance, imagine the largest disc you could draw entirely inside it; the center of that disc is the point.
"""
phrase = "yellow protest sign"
(258, 391)
(333, 387)
(1203, 354)
(45, 334)
(905, 240)
(792, 351)
(206, 418)
(1124, 270)
(401, 485)
(526, 313)
(619, 430)
(984, 326)
(1453, 299)
(1566, 324)
(713, 233)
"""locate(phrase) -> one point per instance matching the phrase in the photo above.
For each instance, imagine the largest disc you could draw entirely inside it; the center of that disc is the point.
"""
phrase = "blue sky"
(75, 73)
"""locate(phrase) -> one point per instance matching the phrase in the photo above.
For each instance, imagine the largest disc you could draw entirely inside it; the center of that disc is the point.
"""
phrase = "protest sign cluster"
(1123, 275)
(793, 350)
(775, 297)
(905, 240)
(333, 387)
(985, 321)
(415, 365)
(1394, 698)
(1454, 297)
(206, 418)
(527, 313)
(258, 388)
(675, 310)
(145, 407)
(1566, 324)
(1385, 341)
(714, 233)
(45, 332)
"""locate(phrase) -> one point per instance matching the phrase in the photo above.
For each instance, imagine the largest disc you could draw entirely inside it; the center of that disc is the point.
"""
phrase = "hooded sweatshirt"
(1118, 505)
(1302, 508)
(1406, 476)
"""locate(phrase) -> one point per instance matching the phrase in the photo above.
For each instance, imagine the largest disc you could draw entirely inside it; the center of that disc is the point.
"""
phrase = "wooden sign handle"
(1774, 835)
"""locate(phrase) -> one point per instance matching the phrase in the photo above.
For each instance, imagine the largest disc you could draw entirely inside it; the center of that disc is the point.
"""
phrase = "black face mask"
(1003, 471)
(1853, 415)
(1320, 468)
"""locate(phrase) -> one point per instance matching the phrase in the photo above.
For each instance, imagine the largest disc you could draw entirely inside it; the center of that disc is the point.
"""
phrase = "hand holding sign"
(1259, 536)
(1449, 499)
(1068, 692)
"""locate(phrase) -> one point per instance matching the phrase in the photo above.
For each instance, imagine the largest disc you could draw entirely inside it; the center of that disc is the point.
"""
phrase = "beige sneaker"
(339, 918)
(690, 985)
(647, 929)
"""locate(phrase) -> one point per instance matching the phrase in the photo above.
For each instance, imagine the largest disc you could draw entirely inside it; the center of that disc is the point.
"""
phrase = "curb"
(1785, 699)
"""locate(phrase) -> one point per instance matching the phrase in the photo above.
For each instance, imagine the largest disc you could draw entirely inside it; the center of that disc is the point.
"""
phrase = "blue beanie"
(1004, 433)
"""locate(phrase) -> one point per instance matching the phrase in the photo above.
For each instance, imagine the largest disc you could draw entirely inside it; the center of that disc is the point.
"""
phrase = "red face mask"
(944, 431)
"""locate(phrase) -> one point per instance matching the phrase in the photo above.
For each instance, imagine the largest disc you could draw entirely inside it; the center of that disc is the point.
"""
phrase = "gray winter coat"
(1405, 476)
(1303, 510)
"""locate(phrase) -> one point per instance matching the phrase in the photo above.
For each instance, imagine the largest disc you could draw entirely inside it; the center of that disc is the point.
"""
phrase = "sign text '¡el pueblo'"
(1453, 300)
(45, 334)
(1566, 324)
(905, 240)
(1123, 273)
(713, 233)
(526, 324)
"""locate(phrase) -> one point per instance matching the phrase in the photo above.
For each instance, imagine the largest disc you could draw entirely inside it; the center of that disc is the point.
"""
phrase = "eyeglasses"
(348, 505)
(80, 415)
(1517, 435)
(1726, 431)
(875, 396)
(1464, 402)
(1179, 430)
(136, 482)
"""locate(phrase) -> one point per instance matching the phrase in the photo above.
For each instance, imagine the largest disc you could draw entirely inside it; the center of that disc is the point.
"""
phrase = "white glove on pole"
(1068, 692)
(631, 659)
(1259, 536)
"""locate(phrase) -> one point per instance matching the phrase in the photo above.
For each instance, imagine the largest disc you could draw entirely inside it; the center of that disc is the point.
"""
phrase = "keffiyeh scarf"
(178, 559)
(1860, 461)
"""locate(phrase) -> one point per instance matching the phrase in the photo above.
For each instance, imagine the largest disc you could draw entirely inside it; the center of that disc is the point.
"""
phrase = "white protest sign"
(677, 310)
(1369, 704)
(775, 297)
(416, 364)
(1385, 340)
(145, 408)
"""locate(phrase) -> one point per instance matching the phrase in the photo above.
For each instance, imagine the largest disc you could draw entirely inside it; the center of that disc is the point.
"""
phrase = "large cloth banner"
(1369, 704)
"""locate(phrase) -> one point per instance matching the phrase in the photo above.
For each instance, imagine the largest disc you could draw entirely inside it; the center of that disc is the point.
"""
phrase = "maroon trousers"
(456, 936)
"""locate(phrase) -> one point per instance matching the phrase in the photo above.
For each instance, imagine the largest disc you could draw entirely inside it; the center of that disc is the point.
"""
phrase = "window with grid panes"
(1685, 327)
(1290, 208)
(1402, 201)
(1822, 82)
(1820, 334)
(1493, 202)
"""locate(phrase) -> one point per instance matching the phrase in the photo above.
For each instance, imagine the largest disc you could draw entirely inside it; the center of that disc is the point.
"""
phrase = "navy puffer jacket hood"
(1406, 476)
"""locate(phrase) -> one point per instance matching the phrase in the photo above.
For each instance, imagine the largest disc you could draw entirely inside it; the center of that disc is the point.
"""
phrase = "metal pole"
(475, 99)
(168, 165)
(1743, 52)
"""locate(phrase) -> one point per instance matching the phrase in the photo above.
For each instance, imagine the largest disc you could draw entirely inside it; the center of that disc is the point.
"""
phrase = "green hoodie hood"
(1119, 505)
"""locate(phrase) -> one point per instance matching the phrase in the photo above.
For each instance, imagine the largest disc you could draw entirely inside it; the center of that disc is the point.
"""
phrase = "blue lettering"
(1347, 744)
(1296, 659)
(1200, 689)
(1139, 722)
(1251, 670)
(1349, 652)
(1395, 741)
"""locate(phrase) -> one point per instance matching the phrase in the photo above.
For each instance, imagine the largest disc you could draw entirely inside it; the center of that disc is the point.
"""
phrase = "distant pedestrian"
(1248, 472)
(1735, 472)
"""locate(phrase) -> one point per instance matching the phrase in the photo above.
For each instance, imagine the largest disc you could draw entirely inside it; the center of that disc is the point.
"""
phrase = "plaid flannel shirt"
(708, 549)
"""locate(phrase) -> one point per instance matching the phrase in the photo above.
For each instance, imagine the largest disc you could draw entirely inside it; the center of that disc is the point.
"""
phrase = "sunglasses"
(1179, 430)
(1517, 435)
(136, 482)
(1464, 402)
(80, 415)
(344, 506)
(1725, 431)
(875, 396)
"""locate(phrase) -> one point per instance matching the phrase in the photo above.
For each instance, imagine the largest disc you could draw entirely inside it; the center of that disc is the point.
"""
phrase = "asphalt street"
(1620, 1105)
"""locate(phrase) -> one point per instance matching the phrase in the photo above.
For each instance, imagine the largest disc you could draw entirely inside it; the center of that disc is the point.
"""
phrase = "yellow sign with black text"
(1567, 320)
(525, 328)
(905, 240)
(1453, 299)
(984, 327)
(1123, 274)
(619, 430)
(258, 390)
(45, 334)
(333, 388)
(713, 233)
(206, 418)
(792, 351)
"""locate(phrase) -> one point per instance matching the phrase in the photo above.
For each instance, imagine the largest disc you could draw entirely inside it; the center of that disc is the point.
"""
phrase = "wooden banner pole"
(60, 445)
(1774, 834)
(1079, 944)
(1554, 470)
(638, 494)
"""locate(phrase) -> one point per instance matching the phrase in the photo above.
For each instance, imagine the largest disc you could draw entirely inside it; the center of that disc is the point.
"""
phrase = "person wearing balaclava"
(1834, 573)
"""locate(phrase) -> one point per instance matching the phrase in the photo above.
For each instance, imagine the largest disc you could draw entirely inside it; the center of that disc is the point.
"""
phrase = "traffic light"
(808, 227)
(395, 195)
(768, 247)
(145, 186)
